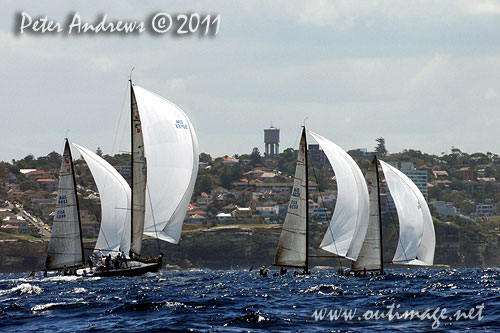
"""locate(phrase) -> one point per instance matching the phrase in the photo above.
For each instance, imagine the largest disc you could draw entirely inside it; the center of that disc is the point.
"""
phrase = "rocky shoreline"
(238, 247)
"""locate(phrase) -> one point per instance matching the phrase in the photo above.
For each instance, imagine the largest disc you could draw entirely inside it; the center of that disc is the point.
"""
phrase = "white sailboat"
(417, 238)
(355, 230)
(349, 223)
(164, 169)
(65, 249)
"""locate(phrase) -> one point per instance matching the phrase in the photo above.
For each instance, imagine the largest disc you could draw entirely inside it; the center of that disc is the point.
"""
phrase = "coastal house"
(196, 219)
(47, 184)
(203, 200)
(245, 215)
(20, 224)
(37, 174)
(13, 229)
(268, 212)
(227, 160)
(466, 173)
(224, 218)
(483, 209)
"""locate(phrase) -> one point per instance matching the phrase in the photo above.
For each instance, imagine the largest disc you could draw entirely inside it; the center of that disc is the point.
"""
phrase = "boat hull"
(135, 268)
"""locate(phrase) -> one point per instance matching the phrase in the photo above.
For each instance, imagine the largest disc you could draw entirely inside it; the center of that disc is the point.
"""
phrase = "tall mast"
(131, 160)
(379, 218)
(76, 199)
(307, 198)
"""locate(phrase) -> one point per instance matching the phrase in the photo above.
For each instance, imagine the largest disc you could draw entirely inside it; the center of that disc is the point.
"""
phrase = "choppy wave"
(41, 307)
(24, 288)
(324, 289)
(205, 300)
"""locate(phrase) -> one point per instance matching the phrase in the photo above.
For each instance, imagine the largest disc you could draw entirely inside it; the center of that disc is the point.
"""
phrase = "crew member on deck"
(124, 258)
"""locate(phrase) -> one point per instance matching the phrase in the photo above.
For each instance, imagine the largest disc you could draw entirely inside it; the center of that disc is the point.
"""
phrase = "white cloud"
(481, 6)
(491, 93)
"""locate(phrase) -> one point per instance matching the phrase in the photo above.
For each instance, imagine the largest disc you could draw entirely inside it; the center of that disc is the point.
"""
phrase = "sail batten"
(114, 192)
(65, 247)
(171, 151)
(347, 229)
(292, 246)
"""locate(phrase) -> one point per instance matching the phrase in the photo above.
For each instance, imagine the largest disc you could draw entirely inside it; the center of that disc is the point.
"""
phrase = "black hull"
(135, 268)
(132, 271)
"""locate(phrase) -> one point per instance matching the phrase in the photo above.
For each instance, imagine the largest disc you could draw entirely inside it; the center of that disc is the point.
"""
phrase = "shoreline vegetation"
(218, 234)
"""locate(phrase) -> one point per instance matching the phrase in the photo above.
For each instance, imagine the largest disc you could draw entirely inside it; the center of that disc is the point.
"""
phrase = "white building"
(224, 218)
(484, 209)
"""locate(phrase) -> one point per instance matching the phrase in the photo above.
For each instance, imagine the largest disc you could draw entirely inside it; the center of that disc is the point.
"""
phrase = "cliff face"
(471, 245)
(22, 255)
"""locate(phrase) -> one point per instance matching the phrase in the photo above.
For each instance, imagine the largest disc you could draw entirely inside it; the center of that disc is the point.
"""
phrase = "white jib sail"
(114, 191)
(65, 246)
(416, 230)
(292, 249)
(349, 223)
(370, 256)
(171, 150)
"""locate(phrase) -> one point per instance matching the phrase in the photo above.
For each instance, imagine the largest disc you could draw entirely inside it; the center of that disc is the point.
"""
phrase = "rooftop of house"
(46, 180)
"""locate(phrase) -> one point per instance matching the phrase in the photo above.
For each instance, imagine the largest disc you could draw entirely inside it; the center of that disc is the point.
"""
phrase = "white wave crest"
(173, 304)
(41, 307)
(23, 288)
(79, 290)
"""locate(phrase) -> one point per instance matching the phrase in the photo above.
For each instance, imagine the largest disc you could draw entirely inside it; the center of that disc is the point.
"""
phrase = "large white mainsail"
(139, 176)
(370, 256)
(114, 192)
(416, 230)
(349, 223)
(65, 247)
(171, 151)
(292, 246)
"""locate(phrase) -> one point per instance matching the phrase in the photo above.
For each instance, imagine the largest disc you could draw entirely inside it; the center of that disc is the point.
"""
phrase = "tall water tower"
(272, 141)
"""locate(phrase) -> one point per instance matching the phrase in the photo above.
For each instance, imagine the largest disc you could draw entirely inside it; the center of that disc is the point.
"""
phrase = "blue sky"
(423, 74)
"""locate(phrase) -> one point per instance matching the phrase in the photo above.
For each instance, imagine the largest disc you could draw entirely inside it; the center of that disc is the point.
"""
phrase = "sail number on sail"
(293, 203)
(63, 199)
(60, 214)
(181, 124)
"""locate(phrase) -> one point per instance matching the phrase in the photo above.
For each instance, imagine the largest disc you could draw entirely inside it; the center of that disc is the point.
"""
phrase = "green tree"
(380, 148)
(204, 183)
(206, 158)
(256, 158)
(225, 177)
(29, 185)
(98, 152)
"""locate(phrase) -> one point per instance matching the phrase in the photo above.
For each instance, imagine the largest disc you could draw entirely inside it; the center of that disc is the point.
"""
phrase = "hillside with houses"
(253, 191)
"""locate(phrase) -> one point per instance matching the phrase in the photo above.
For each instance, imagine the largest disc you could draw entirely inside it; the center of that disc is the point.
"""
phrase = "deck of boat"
(135, 268)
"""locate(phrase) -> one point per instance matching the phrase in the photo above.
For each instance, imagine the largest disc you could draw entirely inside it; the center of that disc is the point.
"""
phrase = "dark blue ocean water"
(206, 300)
